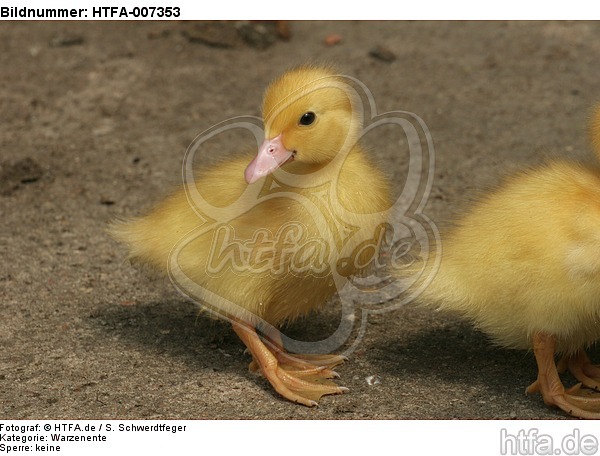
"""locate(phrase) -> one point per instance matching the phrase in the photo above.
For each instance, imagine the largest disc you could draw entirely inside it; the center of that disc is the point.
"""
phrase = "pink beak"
(271, 155)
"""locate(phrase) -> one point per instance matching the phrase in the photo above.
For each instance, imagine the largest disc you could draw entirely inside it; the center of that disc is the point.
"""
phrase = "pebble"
(213, 34)
(382, 53)
(332, 39)
(24, 171)
(68, 39)
(255, 34)
(373, 380)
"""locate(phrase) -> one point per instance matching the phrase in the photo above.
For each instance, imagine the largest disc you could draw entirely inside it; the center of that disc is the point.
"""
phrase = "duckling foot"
(550, 386)
(293, 378)
(301, 364)
(583, 370)
(304, 365)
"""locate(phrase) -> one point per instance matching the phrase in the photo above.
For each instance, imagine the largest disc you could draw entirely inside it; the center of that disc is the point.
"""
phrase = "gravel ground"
(96, 118)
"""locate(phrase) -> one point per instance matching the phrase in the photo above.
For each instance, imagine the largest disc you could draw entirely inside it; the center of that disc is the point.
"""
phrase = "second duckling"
(523, 264)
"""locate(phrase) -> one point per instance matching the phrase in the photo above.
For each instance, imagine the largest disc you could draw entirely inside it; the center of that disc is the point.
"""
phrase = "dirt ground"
(96, 118)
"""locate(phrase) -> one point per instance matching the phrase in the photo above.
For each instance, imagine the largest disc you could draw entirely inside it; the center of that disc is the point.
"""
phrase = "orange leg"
(551, 387)
(303, 383)
(302, 363)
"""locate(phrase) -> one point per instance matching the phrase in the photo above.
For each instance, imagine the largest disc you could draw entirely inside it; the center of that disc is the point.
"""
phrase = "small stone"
(256, 34)
(158, 34)
(373, 380)
(215, 34)
(332, 39)
(66, 40)
(24, 171)
(107, 201)
(284, 30)
(27, 170)
(382, 53)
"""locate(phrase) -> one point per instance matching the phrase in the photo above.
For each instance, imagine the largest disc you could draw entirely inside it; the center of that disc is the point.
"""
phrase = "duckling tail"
(417, 273)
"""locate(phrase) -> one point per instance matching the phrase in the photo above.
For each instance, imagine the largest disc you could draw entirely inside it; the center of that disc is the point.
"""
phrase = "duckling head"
(310, 116)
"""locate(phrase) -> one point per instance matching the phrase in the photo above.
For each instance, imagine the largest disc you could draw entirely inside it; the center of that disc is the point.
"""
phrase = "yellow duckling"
(524, 265)
(271, 257)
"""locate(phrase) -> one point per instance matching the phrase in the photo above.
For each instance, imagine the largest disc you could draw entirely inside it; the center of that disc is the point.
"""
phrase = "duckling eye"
(307, 118)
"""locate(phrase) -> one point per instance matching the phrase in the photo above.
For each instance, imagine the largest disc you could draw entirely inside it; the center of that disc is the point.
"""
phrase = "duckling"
(288, 197)
(523, 265)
